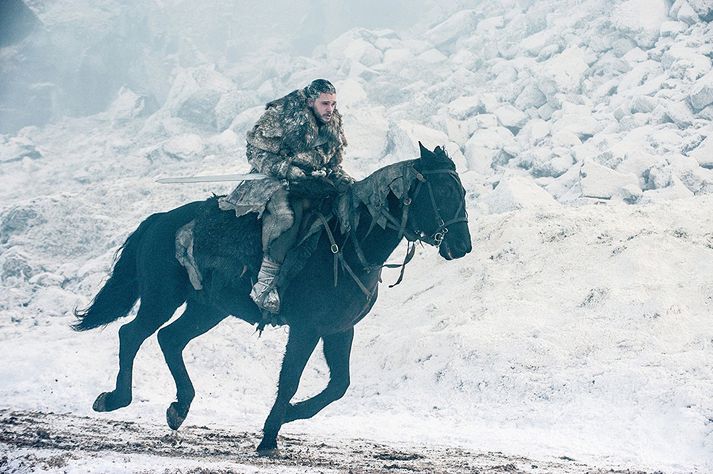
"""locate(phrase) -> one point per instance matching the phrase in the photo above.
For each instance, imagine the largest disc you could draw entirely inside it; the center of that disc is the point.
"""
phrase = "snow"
(578, 326)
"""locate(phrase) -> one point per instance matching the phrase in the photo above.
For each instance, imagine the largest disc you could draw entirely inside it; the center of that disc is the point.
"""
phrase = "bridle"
(411, 232)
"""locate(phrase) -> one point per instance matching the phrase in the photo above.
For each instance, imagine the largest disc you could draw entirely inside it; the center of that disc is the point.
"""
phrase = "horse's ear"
(425, 152)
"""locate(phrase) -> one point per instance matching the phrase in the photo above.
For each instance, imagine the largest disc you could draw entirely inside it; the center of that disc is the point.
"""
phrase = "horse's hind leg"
(337, 348)
(196, 320)
(150, 317)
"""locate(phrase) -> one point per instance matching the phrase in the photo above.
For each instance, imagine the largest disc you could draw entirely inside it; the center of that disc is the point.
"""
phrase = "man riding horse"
(298, 135)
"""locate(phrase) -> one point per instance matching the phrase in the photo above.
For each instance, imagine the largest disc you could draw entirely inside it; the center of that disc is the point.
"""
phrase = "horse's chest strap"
(339, 259)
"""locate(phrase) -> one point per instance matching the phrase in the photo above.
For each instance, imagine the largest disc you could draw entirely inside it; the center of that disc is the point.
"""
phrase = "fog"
(71, 57)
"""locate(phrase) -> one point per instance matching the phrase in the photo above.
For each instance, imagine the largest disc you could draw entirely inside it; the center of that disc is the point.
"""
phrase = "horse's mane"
(373, 191)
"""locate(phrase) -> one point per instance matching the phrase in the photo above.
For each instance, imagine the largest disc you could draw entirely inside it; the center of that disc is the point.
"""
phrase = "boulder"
(17, 149)
(466, 106)
(600, 182)
(511, 117)
(702, 92)
(675, 190)
(518, 192)
(703, 154)
(641, 20)
(530, 97)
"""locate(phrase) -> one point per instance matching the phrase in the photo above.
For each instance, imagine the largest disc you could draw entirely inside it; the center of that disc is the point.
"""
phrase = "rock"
(199, 107)
(530, 97)
(643, 104)
(367, 133)
(467, 106)
(510, 117)
(404, 135)
(230, 105)
(566, 69)
(704, 153)
(683, 62)
(129, 105)
(17, 220)
(17, 149)
(188, 146)
(675, 190)
(543, 162)
(600, 182)
(635, 55)
(672, 28)
(533, 132)
(480, 158)
(577, 119)
(565, 138)
(679, 113)
(518, 192)
(432, 56)
(657, 177)
(704, 9)
(458, 25)
(683, 12)
(641, 19)
(195, 93)
(697, 179)
(15, 266)
(622, 46)
(702, 92)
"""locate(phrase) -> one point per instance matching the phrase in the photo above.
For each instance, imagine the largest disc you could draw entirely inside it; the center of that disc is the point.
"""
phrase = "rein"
(411, 234)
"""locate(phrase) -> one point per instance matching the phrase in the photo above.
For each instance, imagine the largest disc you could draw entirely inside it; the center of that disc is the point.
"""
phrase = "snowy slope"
(580, 324)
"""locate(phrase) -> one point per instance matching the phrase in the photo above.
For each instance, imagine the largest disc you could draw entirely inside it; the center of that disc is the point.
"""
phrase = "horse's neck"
(380, 243)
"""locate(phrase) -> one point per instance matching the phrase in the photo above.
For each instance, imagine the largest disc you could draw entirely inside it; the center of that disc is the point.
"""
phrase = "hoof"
(267, 448)
(175, 415)
(106, 402)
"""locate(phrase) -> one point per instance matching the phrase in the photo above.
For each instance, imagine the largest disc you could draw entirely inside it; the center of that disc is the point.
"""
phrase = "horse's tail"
(120, 292)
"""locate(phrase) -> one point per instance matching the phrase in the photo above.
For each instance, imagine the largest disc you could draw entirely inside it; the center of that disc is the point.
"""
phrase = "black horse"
(421, 199)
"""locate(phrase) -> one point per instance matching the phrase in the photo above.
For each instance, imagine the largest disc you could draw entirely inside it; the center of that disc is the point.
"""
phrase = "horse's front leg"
(337, 348)
(300, 345)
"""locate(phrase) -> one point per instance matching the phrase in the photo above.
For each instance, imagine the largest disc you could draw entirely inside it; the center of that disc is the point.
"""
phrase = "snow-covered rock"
(18, 148)
(518, 192)
(188, 146)
(466, 106)
(641, 19)
(600, 182)
(702, 92)
(530, 97)
(676, 190)
(511, 117)
(129, 105)
(566, 69)
(457, 26)
(703, 154)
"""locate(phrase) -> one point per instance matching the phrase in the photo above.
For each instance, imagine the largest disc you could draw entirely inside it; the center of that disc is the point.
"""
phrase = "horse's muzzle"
(453, 249)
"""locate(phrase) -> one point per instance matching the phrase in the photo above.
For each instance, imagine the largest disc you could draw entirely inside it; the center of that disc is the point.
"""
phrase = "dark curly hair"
(319, 86)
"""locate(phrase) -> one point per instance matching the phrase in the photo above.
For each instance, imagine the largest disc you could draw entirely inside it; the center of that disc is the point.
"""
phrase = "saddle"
(218, 241)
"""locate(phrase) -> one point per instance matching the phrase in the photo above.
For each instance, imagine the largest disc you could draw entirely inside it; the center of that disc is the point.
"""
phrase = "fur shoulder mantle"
(295, 122)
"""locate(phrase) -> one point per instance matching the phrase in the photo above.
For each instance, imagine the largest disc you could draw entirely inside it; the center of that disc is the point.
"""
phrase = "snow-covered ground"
(579, 326)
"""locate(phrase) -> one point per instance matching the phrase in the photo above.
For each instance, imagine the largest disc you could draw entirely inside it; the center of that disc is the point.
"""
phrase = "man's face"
(323, 106)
